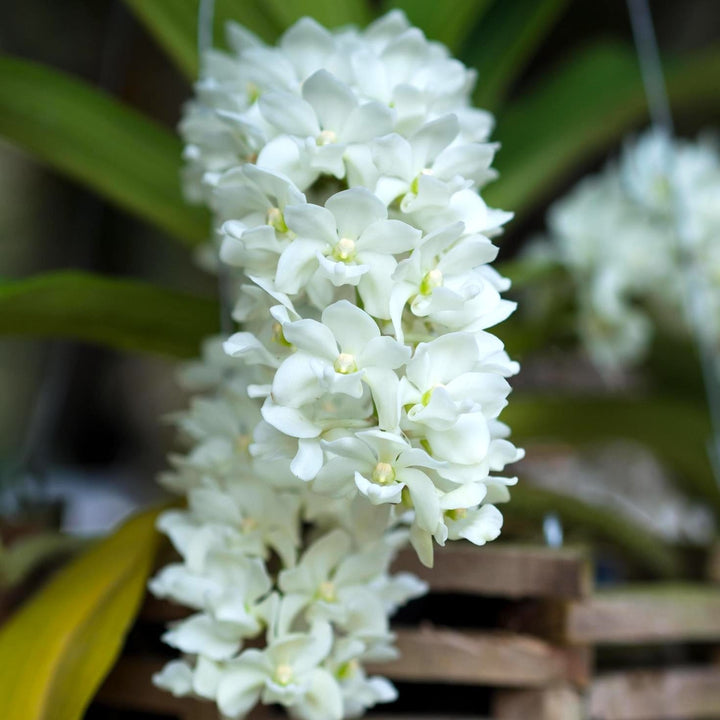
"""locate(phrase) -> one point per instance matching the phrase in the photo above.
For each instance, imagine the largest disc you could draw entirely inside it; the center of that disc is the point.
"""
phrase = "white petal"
(389, 237)
(239, 689)
(323, 701)
(312, 221)
(369, 121)
(297, 381)
(175, 677)
(296, 264)
(385, 352)
(354, 210)
(290, 421)
(332, 100)
(351, 327)
(308, 461)
(313, 337)
(289, 114)
(424, 496)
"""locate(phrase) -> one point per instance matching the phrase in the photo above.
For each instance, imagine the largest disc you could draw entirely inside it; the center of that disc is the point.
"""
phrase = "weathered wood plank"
(645, 614)
(512, 571)
(557, 703)
(129, 687)
(677, 694)
(429, 654)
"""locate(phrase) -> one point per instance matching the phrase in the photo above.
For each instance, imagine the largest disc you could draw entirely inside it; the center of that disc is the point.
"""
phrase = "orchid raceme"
(357, 407)
(619, 235)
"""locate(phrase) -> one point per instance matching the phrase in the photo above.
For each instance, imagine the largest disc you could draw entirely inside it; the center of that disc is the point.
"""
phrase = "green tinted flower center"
(383, 474)
(283, 674)
(276, 220)
(432, 279)
(345, 364)
(345, 250)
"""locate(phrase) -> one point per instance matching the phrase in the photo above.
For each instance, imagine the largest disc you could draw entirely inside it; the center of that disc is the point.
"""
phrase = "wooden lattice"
(538, 659)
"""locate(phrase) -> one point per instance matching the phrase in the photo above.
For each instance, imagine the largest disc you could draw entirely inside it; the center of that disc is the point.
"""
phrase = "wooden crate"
(536, 662)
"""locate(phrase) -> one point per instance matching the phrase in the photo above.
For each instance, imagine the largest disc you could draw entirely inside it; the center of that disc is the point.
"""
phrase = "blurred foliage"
(124, 314)
(57, 648)
(95, 139)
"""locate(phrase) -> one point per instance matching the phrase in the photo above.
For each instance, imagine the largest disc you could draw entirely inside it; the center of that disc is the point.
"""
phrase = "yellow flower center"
(345, 250)
(248, 524)
(326, 137)
(345, 364)
(383, 474)
(415, 184)
(456, 514)
(283, 674)
(276, 220)
(278, 335)
(425, 399)
(327, 592)
(432, 279)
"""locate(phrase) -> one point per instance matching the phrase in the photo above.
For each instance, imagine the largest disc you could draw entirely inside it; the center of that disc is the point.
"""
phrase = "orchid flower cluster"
(358, 407)
(618, 233)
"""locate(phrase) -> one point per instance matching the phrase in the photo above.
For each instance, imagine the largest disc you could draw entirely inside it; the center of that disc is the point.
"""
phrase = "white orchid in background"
(618, 235)
(357, 407)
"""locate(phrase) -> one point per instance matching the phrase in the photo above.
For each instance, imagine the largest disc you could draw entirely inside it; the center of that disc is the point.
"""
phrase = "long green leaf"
(124, 314)
(175, 25)
(596, 523)
(56, 650)
(450, 22)
(331, 13)
(584, 107)
(505, 40)
(674, 429)
(95, 139)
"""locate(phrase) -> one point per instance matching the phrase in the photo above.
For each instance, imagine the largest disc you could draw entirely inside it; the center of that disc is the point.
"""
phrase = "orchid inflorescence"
(358, 407)
(625, 235)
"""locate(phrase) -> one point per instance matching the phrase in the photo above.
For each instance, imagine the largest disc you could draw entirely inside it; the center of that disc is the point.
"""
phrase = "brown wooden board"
(646, 614)
(512, 571)
(430, 654)
(676, 694)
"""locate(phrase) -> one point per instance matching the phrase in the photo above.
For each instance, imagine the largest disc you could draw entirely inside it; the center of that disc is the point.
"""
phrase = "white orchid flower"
(338, 355)
(348, 242)
(287, 672)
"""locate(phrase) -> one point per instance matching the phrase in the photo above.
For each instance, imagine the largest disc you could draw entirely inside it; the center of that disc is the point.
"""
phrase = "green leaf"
(95, 139)
(581, 109)
(450, 22)
(674, 429)
(330, 13)
(175, 25)
(505, 40)
(601, 524)
(56, 650)
(124, 314)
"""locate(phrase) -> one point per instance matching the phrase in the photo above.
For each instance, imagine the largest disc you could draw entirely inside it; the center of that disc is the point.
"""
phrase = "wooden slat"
(430, 654)
(557, 703)
(645, 614)
(512, 571)
(129, 687)
(680, 694)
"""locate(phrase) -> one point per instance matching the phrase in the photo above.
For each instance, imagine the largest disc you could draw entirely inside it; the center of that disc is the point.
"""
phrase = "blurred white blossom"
(618, 233)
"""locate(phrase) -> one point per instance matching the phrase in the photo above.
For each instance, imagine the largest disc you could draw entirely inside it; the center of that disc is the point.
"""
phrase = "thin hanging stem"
(206, 15)
(696, 291)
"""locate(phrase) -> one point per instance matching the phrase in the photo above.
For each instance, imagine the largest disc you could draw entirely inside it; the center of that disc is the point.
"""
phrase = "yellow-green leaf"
(56, 650)
(124, 314)
(93, 138)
